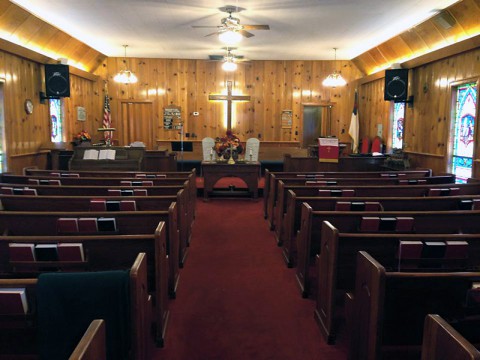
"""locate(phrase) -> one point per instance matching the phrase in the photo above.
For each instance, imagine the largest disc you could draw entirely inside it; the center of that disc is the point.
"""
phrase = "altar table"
(247, 171)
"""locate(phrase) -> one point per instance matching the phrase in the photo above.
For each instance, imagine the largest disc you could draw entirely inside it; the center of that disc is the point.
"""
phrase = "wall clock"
(28, 106)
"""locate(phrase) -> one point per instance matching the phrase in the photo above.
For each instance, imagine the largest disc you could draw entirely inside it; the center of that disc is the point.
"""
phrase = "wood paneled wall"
(273, 86)
(427, 123)
(425, 37)
(23, 79)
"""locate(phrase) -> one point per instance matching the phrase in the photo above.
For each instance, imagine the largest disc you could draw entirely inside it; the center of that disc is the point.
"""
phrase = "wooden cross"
(229, 98)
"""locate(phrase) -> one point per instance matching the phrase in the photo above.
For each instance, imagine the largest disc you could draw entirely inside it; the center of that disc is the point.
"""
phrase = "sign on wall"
(286, 119)
(172, 118)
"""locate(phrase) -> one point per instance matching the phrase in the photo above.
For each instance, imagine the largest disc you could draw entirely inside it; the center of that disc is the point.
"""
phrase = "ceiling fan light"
(230, 37)
(229, 66)
(334, 80)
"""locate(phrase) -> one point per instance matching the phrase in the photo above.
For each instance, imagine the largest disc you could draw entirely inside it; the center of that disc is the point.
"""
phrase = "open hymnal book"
(90, 154)
(106, 154)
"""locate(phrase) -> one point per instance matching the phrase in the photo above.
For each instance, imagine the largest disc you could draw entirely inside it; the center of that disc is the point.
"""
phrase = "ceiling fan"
(229, 57)
(229, 60)
(231, 23)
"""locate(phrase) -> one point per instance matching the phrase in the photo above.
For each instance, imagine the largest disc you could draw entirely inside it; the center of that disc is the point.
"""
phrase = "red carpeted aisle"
(236, 298)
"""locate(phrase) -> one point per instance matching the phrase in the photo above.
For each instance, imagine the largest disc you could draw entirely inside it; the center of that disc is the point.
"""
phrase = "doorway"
(137, 124)
(316, 123)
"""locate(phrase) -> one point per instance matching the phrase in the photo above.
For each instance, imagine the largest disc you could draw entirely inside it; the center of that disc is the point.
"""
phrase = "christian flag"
(107, 119)
(353, 130)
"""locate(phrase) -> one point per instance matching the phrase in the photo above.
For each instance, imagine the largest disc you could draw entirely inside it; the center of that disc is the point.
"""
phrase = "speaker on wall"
(57, 80)
(396, 84)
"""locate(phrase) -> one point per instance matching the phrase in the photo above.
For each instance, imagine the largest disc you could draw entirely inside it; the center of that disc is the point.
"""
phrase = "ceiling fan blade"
(256, 27)
(214, 33)
(216, 57)
(246, 33)
(205, 26)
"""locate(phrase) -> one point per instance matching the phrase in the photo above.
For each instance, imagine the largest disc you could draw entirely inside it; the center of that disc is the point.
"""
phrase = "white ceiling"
(299, 29)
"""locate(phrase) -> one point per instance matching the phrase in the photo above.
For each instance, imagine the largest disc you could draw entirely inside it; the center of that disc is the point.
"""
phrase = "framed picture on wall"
(286, 119)
(81, 113)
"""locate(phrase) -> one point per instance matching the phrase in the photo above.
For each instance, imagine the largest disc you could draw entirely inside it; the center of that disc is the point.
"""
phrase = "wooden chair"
(377, 145)
(252, 148)
(207, 145)
(365, 148)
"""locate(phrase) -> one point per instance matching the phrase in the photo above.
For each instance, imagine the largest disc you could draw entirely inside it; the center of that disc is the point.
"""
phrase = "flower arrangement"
(82, 136)
(224, 145)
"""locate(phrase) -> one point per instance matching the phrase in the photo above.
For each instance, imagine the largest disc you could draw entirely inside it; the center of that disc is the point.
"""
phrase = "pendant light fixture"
(334, 79)
(125, 76)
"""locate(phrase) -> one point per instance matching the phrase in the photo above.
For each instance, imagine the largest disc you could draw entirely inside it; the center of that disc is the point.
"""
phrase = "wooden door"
(137, 124)
(312, 124)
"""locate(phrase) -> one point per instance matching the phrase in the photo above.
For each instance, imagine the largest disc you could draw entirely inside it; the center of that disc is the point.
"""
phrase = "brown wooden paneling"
(34, 33)
(428, 122)
(273, 86)
(423, 38)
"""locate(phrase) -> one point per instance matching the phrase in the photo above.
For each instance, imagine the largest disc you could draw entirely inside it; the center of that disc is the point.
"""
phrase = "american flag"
(107, 120)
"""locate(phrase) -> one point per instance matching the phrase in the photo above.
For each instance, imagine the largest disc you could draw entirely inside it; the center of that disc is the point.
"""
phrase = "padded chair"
(252, 148)
(207, 145)
(377, 145)
(365, 149)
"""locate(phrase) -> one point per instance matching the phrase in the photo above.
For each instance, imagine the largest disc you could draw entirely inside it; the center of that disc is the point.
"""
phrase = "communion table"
(213, 171)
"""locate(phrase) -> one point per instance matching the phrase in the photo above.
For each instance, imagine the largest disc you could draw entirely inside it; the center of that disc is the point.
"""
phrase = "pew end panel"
(303, 241)
(442, 342)
(92, 346)
(161, 293)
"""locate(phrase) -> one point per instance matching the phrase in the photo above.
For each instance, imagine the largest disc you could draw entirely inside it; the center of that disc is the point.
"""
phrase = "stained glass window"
(466, 106)
(56, 119)
(397, 127)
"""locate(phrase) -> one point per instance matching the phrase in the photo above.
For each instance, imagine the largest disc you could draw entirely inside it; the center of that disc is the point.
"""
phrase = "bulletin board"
(172, 118)
(286, 119)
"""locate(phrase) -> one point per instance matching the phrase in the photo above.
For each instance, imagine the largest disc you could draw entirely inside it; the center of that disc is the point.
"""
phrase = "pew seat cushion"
(68, 302)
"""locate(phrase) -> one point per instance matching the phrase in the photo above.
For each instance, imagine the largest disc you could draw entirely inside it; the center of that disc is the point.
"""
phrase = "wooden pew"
(128, 223)
(82, 203)
(390, 308)
(365, 191)
(278, 207)
(336, 265)
(309, 238)
(188, 181)
(291, 219)
(105, 252)
(270, 188)
(92, 345)
(189, 175)
(19, 332)
(159, 180)
(442, 342)
(120, 174)
(102, 191)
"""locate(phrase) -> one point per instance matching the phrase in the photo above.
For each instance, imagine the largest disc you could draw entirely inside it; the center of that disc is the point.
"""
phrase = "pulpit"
(125, 158)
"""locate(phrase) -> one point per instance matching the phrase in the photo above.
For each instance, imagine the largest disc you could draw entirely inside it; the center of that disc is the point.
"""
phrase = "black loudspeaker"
(396, 85)
(57, 80)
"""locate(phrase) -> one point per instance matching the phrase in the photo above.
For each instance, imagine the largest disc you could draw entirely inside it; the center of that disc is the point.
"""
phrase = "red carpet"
(236, 298)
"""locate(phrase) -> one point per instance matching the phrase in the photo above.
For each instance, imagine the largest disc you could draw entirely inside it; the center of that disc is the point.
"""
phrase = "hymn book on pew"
(21, 252)
(13, 301)
(87, 225)
(473, 295)
(106, 224)
(70, 252)
(67, 225)
(46, 252)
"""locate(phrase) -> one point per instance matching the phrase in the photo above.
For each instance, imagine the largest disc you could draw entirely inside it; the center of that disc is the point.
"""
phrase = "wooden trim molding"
(423, 154)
